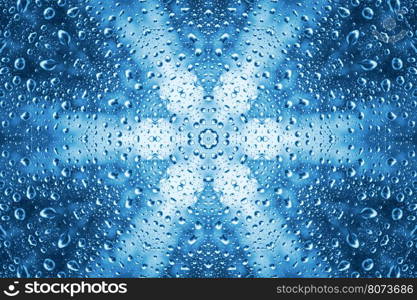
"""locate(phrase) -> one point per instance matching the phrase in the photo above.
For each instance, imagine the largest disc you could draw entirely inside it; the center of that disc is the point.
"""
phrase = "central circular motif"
(208, 138)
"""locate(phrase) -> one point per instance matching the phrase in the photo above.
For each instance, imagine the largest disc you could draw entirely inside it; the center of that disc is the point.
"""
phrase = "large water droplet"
(48, 64)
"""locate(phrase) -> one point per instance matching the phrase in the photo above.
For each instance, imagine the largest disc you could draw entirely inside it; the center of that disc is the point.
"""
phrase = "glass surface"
(222, 138)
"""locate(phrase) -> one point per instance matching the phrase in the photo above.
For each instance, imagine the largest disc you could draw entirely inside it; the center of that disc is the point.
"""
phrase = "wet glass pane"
(208, 138)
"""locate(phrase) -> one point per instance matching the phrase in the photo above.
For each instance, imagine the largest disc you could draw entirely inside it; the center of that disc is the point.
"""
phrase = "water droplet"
(343, 12)
(48, 213)
(352, 240)
(48, 264)
(19, 63)
(30, 192)
(48, 64)
(73, 265)
(386, 192)
(48, 13)
(64, 37)
(368, 13)
(352, 37)
(22, 5)
(368, 213)
(30, 85)
(397, 63)
(64, 240)
(73, 12)
(386, 85)
(20, 214)
(397, 214)
(367, 264)
(343, 266)
(368, 64)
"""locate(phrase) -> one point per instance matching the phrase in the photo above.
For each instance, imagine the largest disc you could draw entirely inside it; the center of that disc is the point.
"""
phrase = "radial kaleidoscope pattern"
(208, 138)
